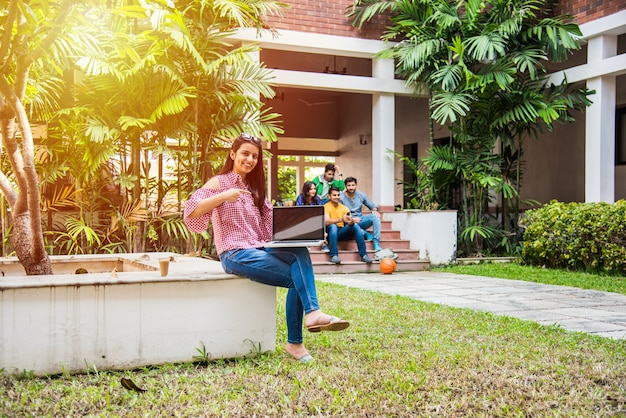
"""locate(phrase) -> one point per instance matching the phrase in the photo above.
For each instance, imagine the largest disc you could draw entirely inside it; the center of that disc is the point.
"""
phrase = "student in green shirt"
(325, 181)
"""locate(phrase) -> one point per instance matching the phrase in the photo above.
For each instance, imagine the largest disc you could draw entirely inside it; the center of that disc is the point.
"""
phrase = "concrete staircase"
(408, 259)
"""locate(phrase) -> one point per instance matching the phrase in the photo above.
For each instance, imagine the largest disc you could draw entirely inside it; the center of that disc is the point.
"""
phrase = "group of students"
(343, 205)
(236, 204)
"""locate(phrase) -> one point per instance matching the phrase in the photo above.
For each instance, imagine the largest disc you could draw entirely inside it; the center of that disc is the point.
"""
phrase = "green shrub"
(577, 236)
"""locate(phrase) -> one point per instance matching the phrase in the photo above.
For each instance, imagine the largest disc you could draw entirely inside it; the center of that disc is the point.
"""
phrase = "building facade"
(338, 101)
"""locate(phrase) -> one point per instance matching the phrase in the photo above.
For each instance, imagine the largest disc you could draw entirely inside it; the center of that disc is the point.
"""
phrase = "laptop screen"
(298, 223)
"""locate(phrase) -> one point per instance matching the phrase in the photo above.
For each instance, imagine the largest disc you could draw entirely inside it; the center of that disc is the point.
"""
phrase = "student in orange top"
(341, 227)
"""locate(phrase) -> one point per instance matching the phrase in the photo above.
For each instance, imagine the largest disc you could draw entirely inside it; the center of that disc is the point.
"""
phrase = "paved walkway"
(592, 311)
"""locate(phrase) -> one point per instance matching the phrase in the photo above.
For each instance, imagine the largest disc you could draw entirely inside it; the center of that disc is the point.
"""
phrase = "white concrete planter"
(123, 320)
(433, 232)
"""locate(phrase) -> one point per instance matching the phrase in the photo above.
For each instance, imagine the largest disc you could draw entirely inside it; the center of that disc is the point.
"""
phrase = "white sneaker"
(386, 253)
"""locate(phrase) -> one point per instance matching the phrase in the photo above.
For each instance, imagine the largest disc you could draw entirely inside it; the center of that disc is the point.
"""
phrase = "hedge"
(577, 236)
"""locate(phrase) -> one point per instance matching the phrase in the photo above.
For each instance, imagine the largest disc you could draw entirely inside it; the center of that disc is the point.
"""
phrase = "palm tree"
(178, 78)
(138, 75)
(483, 63)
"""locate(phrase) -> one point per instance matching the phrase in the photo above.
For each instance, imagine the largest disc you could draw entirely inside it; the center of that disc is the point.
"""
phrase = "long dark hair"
(256, 178)
(305, 193)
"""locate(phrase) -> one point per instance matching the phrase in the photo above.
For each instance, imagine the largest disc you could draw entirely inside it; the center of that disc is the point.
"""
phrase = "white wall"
(432, 232)
(69, 323)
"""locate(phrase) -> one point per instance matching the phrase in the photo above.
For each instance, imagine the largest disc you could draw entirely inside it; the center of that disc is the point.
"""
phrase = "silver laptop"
(297, 226)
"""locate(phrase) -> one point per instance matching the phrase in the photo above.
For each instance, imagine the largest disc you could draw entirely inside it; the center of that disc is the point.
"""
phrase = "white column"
(270, 163)
(383, 137)
(600, 126)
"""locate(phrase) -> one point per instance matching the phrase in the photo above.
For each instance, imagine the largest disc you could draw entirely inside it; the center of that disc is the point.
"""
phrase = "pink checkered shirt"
(236, 225)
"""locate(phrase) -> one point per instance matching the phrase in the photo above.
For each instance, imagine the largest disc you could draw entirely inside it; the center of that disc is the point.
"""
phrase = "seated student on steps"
(341, 227)
(325, 181)
(355, 200)
(309, 197)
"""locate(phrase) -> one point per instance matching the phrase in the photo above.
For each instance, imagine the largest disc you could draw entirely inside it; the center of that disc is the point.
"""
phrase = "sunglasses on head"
(247, 137)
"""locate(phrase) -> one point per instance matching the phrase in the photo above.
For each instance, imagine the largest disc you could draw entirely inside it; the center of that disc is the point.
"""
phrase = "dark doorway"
(409, 178)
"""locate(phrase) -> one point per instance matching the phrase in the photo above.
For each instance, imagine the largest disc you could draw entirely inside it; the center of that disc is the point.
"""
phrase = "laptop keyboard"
(292, 241)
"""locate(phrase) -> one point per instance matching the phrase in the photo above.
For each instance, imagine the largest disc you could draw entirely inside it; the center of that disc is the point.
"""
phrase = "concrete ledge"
(123, 320)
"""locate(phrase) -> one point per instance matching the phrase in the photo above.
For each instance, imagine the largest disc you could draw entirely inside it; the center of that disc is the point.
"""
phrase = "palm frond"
(440, 158)
(449, 106)
(445, 15)
(521, 112)
(64, 197)
(448, 77)
(412, 54)
(362, 11)
(77, 228)
(528, 60)
(98, 132)
(133, 212)
(501, 72)
(175, 99)
(174, 227)
(486, 47)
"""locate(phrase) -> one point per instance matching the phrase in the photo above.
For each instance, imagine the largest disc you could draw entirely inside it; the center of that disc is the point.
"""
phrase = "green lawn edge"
(516, 271)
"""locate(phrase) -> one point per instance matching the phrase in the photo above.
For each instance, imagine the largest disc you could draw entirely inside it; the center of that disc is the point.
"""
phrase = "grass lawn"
(615, 284)
(401, 358)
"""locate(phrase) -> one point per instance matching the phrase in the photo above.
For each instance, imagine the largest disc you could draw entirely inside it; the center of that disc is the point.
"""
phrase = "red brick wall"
(324, 17)
(329, 17)
(587, 10)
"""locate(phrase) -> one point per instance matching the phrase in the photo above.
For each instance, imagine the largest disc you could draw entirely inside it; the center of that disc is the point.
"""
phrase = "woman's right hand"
(207, 204)
(232, 195)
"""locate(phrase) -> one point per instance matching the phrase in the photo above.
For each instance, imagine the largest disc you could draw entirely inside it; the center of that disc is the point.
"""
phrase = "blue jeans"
(343, 234)
(283, 267)
(369, 220)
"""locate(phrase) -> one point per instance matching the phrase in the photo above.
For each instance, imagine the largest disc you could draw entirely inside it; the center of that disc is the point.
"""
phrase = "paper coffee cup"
(164, 265)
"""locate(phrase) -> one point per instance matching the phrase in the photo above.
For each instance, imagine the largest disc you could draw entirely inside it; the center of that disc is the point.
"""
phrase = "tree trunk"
(27, 234)
(22, 240)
